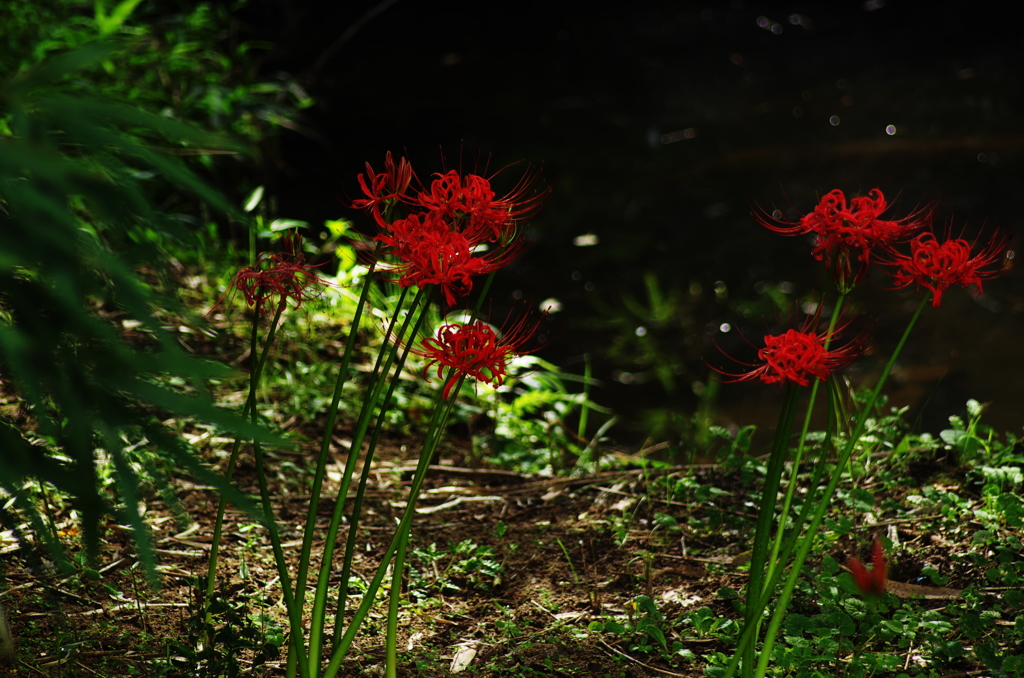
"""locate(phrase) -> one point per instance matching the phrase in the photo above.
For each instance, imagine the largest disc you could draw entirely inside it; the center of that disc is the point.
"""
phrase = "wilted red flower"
(799, 355)
(431, 253)
(870, 582)
(847, 232)
(938, 265)
(283, 275)
(475, 350)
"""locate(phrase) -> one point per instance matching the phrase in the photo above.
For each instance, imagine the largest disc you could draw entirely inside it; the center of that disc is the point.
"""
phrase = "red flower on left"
(283, 276)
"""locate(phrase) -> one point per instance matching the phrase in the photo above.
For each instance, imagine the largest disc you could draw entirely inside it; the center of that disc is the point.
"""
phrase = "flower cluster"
(444, 235)
(475, 350)
(457, 227)
(848, 231)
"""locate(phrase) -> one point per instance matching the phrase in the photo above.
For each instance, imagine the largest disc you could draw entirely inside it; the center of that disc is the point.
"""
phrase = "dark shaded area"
(661, 126)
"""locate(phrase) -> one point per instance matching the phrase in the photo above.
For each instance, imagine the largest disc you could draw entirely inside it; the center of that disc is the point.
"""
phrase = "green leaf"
(615, 627)
(253, 200)
(109, 24)
(287, 224)
(656, 633)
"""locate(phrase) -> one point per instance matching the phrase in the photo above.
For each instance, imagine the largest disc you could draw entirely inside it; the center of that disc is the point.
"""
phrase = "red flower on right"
(938, 265)
(870, 582)
(847, 231)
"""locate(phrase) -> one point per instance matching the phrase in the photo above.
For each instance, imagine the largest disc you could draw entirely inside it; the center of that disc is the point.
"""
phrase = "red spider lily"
(846, 232)
(475, 350)
(457, 229)
(284, 276)
(870, 582)
(430, 253)
(391, 184)
(469, 203)
(799, 355)
(938, 265)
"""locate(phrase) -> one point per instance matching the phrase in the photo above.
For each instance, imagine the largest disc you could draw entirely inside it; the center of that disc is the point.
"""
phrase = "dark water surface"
(660, 126)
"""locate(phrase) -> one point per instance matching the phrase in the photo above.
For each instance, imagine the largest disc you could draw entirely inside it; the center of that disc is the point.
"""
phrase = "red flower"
(475, 350)
(847, 232)
(799, 355)
(284, 276)
(457, 229)
(471, 206)
(430, 253)
(870, 582)
(938, 265)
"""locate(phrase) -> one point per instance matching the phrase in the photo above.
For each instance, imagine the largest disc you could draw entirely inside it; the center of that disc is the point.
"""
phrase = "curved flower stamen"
(798, 356)
(475, 350)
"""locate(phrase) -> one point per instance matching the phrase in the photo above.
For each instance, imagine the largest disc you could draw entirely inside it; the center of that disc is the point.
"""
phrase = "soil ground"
(561, 567)
(569, 551)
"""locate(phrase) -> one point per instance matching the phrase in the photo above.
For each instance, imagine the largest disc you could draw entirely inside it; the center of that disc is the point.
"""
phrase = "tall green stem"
(766, 513)
(250, 403)
(294, 611)
(364, 476)
(747, 639)
(325, 443)
(798, 456)
(416, 312)
(826, 499)
(434, 431)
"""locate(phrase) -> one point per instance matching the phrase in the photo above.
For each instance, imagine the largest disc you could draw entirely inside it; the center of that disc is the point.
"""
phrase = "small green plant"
(532, 411)
(507, 624)
(706, 624)
(243, 638)
(453, 569)
(645, 630)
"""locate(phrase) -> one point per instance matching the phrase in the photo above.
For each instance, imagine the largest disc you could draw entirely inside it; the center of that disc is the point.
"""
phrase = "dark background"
(660, 126)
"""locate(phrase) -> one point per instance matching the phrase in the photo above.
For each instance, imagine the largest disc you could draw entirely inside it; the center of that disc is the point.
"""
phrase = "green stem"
(294, 613)
(435, 428)
(791, 486)
(250, 403)
(749, 633)
(418, 311)
(766, 513)
(581, 430)
(434, 433)
(325, 443)
(819, 515)
(364, 476)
